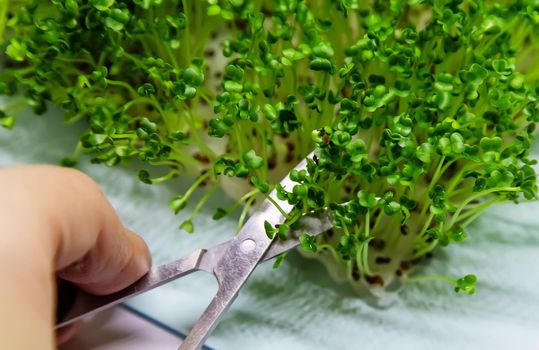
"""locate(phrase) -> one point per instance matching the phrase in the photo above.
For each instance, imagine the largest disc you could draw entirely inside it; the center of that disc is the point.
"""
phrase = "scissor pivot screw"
(248, 246)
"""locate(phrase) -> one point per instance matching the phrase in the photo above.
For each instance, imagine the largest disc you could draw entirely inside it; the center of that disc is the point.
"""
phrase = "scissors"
(231, 262)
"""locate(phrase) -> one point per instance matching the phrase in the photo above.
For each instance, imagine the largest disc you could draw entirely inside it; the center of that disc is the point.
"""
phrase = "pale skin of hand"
(56, 222)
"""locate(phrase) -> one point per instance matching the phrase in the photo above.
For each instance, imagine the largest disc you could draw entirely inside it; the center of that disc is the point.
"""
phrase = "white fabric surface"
(298, 306)
(120, 329)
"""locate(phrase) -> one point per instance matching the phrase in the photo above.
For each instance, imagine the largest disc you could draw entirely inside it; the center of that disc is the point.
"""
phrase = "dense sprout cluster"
(420, 113)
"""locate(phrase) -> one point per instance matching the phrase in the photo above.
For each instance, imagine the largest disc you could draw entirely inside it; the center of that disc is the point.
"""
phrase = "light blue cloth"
(297, 306)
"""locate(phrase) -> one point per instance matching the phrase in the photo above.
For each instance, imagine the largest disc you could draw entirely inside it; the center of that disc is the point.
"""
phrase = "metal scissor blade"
(239, 261)
(75, 304)
(230, 270)
(236, 265)
(312, 224)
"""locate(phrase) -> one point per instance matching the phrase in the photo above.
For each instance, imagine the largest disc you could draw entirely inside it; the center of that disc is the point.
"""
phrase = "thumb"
(117, 258)
(93, 249)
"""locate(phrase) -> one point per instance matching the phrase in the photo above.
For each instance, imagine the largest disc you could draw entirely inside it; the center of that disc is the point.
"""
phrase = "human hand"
(56, 222)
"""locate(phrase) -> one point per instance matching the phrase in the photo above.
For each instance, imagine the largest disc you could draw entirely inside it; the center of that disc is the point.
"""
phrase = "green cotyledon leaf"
(414, 135)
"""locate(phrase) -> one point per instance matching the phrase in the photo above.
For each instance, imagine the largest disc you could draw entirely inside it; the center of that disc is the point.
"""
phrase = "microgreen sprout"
(421, 113)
